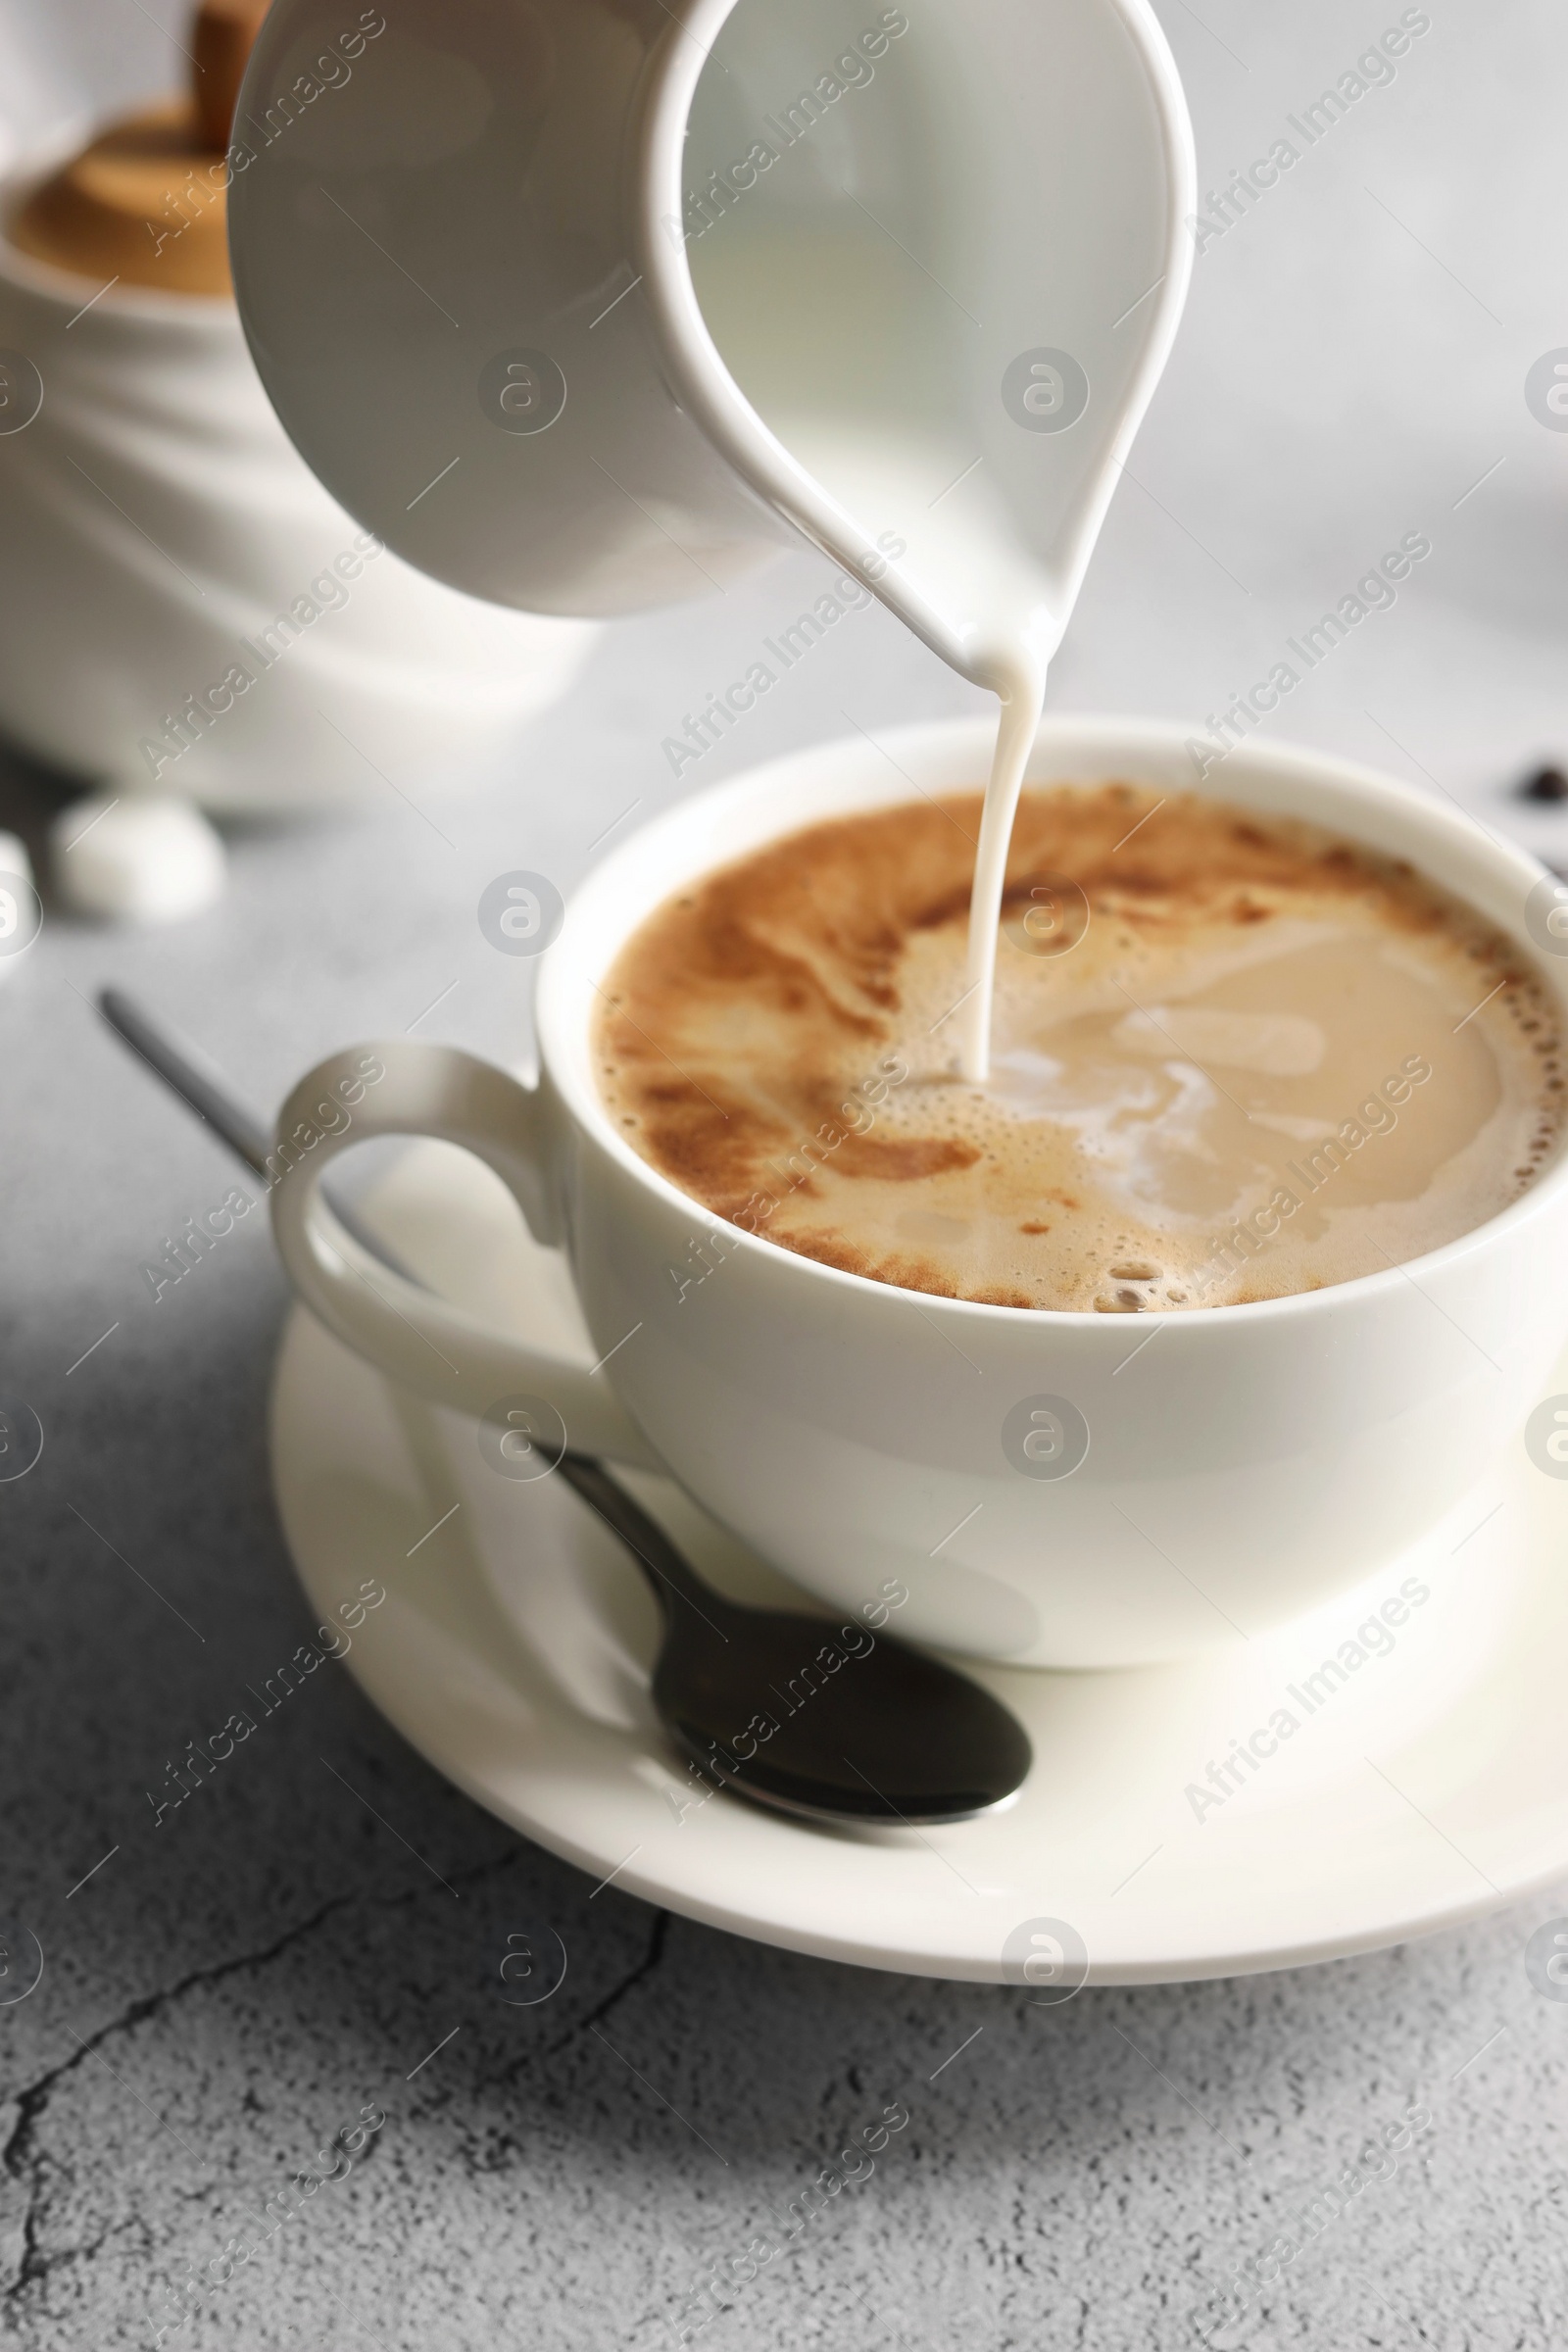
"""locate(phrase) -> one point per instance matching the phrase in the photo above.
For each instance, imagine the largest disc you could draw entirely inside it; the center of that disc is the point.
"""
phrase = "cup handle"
(443, 1354)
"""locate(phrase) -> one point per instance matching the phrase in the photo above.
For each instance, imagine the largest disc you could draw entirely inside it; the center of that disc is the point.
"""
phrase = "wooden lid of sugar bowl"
(145, 201)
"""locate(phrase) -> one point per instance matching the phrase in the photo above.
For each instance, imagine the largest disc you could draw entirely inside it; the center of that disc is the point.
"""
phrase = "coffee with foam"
(1233, 1056)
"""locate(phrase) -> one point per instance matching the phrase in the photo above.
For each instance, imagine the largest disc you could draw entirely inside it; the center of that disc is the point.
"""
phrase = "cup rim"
(564, 1004)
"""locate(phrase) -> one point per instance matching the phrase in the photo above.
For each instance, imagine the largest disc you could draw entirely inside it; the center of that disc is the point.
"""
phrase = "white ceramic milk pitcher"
(587, 306)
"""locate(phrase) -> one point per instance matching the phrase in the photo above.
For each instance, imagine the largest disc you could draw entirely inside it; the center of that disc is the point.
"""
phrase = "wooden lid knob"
(144, 204)
(226, 30)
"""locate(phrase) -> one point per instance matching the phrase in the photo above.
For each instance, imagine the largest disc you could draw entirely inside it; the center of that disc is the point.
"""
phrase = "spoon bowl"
(809, 1717)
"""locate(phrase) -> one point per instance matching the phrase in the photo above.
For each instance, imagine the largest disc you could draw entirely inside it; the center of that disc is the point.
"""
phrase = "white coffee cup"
(1244, 1464)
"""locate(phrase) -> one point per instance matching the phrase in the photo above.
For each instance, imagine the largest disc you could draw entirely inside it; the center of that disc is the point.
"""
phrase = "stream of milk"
(1021, 705)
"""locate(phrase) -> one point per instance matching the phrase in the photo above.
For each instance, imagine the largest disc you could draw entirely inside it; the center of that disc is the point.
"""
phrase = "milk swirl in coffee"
(1232, 1058)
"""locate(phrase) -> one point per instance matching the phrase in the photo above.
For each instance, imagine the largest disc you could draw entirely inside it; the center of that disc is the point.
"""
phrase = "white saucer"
(513, 1647)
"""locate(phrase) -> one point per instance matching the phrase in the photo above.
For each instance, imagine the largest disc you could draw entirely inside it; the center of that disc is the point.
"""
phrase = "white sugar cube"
(137, 861)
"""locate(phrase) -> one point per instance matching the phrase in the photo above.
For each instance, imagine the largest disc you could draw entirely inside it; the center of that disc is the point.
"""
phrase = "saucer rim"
(1188, 1967)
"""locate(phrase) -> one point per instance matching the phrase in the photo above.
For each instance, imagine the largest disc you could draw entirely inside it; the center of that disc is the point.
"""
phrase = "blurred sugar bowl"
(187, 611)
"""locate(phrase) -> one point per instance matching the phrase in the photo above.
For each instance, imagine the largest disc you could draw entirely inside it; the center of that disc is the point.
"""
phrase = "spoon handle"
(199, 1086)
(660, 1563)
(204, 1089)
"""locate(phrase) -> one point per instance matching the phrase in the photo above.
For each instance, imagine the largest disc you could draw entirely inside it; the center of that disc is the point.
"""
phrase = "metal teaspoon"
(860, 1727)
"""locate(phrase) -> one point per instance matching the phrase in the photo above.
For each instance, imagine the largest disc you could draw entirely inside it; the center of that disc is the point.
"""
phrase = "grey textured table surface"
(232, 1987)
